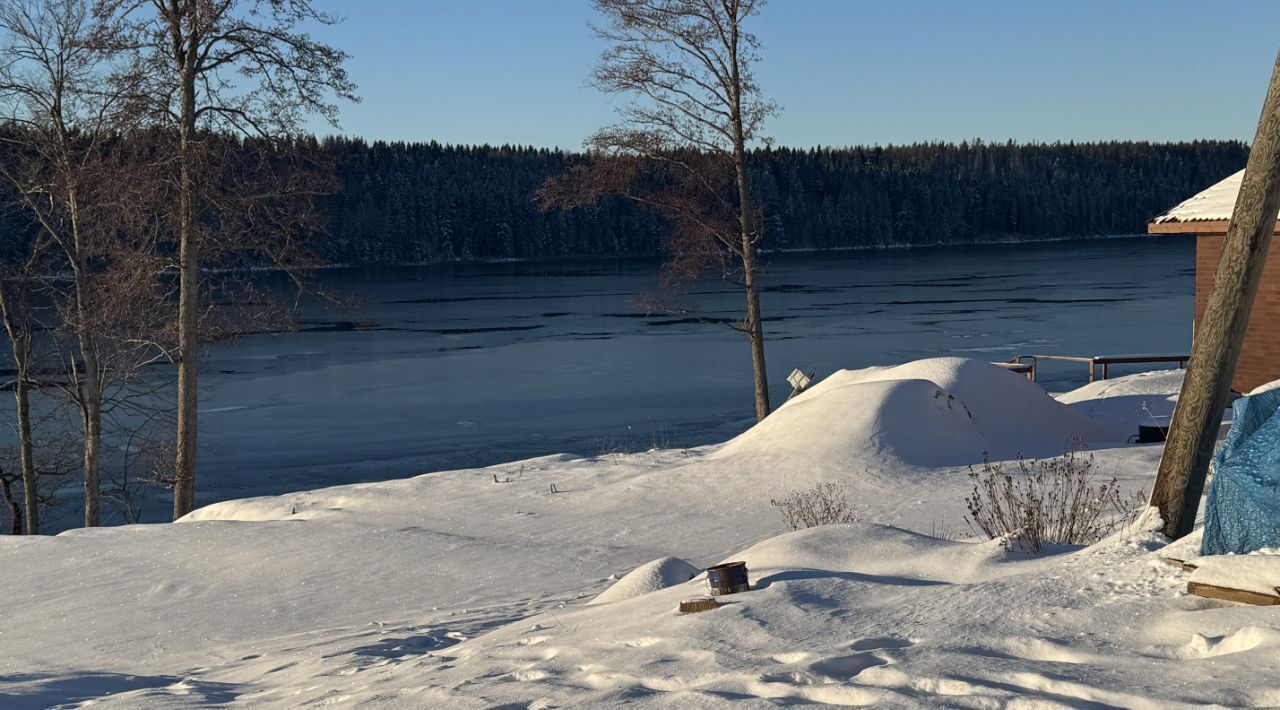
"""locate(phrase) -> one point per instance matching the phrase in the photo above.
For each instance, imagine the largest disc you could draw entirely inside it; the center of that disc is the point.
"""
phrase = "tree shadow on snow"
(31, 691)
(403, 646)
(1029, 693)
(800, 574)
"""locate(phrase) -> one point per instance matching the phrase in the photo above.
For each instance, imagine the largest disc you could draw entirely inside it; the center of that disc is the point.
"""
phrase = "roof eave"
(1193, 226)
(1199, 226)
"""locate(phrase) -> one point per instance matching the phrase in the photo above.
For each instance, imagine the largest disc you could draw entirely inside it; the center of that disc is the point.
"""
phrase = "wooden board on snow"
(1232, 595)
(1251, 579)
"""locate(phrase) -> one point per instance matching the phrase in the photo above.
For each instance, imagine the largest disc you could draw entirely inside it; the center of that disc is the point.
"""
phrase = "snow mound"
(878, 549)
(1119, 405)
(649, 577)
(934, 412)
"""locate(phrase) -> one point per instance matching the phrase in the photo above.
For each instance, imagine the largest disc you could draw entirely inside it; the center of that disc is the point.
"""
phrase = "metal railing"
(1028, 364)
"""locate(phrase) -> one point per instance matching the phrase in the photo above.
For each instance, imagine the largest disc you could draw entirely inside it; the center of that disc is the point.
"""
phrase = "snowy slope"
(453, 590)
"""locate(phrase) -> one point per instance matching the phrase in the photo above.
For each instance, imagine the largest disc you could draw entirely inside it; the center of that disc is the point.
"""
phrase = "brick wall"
(1260, 359)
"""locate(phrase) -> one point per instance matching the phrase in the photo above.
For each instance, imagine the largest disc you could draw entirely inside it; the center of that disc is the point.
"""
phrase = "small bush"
(1055, 501)
(824, 504)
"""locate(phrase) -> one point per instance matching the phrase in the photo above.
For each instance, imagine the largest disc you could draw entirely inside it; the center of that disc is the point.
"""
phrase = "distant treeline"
(424, 202)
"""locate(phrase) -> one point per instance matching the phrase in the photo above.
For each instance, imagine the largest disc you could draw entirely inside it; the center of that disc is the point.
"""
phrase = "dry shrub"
(824, 504)
(1058, 500)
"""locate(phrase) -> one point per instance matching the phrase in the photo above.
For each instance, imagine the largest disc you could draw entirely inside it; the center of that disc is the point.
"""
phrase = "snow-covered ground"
(470, 588)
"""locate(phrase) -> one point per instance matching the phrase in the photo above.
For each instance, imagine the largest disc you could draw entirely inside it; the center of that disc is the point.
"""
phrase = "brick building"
(1206, 216)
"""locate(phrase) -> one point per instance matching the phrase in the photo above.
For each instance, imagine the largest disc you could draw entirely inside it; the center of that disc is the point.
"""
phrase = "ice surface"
(458, 366)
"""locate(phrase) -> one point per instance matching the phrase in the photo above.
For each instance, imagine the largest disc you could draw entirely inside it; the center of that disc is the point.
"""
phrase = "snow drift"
(649, 577)
(934, 412)
(1117, 406)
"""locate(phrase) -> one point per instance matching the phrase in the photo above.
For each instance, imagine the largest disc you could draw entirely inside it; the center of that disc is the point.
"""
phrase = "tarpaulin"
(1242, 513)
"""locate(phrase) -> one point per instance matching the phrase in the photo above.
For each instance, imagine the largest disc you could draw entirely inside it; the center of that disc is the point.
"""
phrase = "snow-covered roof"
(1214, 204)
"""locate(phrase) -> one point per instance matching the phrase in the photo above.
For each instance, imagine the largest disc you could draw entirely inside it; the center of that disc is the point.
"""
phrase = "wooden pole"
(1220, 332)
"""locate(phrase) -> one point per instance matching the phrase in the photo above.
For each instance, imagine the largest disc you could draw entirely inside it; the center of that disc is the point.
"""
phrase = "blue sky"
(845, 71)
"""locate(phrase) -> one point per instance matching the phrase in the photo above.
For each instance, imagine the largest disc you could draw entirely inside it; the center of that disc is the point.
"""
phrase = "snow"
(1256, 572)
(934, 412)
(1265, 387)
(649, 577)
(1215, 203)
(1118, 406)
(451, 590)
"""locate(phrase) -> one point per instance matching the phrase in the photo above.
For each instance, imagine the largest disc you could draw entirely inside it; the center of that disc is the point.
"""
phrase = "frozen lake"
(454, 366)
(463, 365)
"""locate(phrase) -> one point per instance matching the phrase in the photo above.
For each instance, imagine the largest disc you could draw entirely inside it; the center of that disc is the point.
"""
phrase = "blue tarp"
(1243, 510)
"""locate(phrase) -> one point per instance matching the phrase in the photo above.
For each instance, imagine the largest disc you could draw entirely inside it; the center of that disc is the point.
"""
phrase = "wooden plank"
(1232, 595)
(697, 604)
(1181, 564)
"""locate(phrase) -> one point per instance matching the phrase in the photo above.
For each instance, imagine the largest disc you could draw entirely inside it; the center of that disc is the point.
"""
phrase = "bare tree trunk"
(20, 346)
(26, 459)
(91, 410)
(755, 328)
(184, 487)
(90, 384)
(15, 511)
(755, 325)
(1220, 331)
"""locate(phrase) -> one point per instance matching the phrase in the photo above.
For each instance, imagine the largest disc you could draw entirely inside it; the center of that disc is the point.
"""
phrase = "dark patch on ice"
(490, 329)
(338, 326)
(502, 297)
(797, 288)
(713, 320)
(1023, 301)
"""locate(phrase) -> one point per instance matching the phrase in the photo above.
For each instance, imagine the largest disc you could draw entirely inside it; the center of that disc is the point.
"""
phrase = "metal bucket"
(728, 578)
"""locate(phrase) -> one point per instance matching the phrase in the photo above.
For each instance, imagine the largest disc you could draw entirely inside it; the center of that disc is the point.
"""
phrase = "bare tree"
(682, 145)
(16, 311)
(57, 461)
(210, 68)
(146, 461)
(72, 172)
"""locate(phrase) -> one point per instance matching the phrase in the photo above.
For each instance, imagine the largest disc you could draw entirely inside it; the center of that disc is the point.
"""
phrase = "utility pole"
(1220, 331)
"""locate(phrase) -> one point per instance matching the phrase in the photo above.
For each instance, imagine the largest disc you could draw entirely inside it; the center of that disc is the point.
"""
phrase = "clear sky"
(844, 71)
